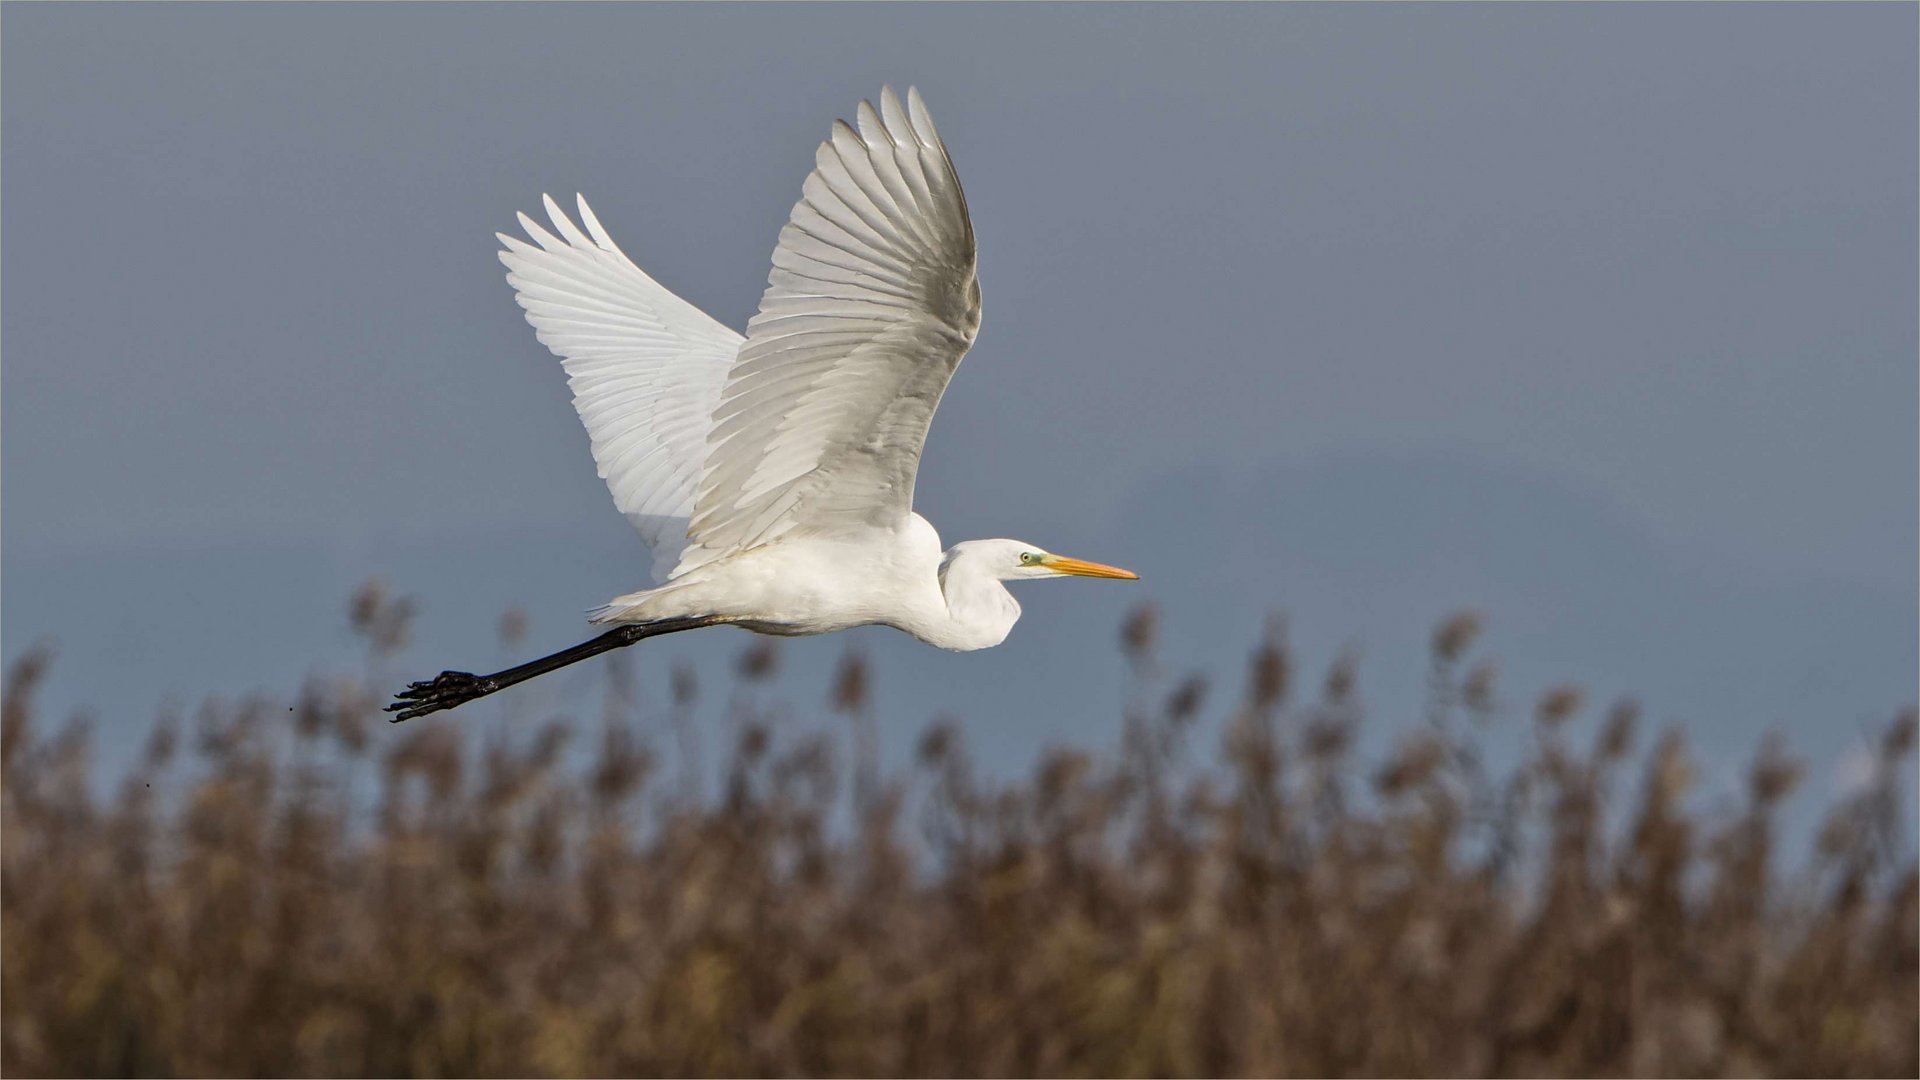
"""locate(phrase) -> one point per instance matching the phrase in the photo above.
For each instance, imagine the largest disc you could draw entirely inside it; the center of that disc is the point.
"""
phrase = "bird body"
(805, 584)
(772, 475)
(819, 584)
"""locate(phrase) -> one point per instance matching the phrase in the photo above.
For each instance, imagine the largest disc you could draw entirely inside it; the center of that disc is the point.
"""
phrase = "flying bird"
(771, 476)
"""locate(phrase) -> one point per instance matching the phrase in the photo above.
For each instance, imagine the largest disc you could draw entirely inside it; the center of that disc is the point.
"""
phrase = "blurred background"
(1599, 321)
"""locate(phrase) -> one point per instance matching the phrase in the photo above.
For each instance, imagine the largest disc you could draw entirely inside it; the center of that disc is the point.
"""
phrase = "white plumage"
(772, 475)
(645, 366)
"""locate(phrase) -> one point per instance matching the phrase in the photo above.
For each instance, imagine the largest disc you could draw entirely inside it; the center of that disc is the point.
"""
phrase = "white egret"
(772, 475)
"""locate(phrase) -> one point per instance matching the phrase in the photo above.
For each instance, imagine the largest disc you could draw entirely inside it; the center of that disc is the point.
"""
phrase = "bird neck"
(980, 610)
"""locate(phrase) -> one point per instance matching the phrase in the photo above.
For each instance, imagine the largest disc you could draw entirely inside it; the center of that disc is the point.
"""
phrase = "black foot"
(443, 691)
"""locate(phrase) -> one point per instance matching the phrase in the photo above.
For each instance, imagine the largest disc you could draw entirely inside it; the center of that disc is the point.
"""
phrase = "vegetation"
(315, 892)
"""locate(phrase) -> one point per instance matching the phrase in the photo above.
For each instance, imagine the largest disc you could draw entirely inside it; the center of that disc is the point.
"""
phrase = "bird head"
(1015, 560)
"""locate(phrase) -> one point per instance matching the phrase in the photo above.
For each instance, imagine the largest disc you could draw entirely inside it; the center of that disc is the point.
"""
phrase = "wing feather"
(871, 303)
(646, 367)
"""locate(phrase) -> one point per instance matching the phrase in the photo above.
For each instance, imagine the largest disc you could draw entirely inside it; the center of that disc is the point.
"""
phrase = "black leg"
(453, 688)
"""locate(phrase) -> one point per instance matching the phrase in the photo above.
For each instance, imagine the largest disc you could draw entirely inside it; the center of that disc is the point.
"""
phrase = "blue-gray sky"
(1599, 318)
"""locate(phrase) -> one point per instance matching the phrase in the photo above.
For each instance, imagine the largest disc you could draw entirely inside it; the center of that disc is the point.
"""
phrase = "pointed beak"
(1060, 564)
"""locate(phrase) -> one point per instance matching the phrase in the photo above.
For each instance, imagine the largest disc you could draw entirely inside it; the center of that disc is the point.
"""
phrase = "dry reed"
(1280, 909)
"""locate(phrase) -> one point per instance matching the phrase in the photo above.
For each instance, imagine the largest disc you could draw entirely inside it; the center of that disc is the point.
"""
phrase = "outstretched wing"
(870, 306)
(646, 368)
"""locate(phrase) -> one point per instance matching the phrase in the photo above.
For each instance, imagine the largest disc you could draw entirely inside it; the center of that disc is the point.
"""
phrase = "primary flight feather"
(771, 476)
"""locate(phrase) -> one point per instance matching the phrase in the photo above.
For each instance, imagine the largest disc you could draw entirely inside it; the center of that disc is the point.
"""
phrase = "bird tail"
(617, 610)
(637, 607)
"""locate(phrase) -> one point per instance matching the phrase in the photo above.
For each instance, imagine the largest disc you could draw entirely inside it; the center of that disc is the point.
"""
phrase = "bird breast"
(820, 583)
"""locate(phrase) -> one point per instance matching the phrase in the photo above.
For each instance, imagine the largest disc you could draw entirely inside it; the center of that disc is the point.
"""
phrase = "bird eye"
(1026, 556)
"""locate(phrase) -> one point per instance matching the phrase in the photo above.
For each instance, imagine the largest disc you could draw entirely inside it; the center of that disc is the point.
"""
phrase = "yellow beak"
(1060, 564)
